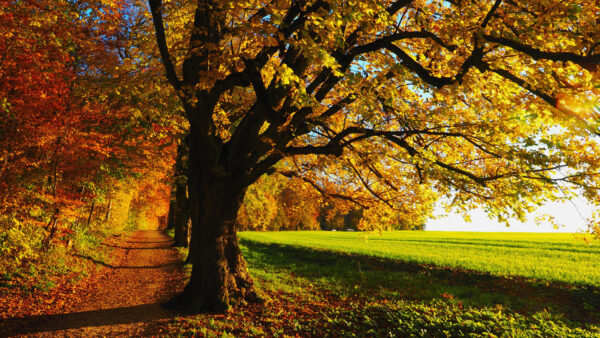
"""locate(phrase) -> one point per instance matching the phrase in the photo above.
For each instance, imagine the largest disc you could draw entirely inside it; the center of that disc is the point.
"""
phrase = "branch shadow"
(94, 260)
(149, 242)
(140, 248)
(78, 320)
(158, 266)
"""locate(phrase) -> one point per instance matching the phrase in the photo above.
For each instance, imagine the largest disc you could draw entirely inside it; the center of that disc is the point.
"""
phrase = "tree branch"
(414, 66)
(366, 185)
(536, 54)
(386, 40)
(159, 29)
(520, 82)
(322, 191)
(489, 15)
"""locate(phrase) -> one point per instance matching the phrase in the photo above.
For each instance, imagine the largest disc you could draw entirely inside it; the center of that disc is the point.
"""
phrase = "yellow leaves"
(330, 62)
(222, 123)
(582, 108)
(287, 76)
(264, 127)
(544, 219)
(272, 41)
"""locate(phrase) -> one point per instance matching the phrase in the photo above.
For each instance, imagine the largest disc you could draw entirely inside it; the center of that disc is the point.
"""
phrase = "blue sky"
(567, 214)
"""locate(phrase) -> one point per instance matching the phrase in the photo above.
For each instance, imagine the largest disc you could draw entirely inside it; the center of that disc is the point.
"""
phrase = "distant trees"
(278, 202)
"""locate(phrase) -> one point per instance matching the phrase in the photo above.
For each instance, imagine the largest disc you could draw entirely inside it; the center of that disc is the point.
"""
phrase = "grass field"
(545, 256)
(413, 284)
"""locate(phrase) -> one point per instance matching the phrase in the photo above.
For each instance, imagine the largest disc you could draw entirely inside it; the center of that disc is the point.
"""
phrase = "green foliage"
(27, 264)
(260, 208)
(311, 293)
(441, 318)
(86, 243)
(277, 203)
(19, 243)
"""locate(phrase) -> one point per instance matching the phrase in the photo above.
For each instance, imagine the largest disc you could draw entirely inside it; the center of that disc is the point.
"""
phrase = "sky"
(571, 215)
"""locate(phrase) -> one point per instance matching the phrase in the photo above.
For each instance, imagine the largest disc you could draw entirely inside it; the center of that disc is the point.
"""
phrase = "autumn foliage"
(278, 202)
(76, 154)
(299, 114)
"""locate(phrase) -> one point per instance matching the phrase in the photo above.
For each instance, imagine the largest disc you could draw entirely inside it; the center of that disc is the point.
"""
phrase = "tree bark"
(171, 214)
(217, 177)
(181, 216)
(219, 276)
(108, 210)
(89, 220)
(48, 239)
(179, 212)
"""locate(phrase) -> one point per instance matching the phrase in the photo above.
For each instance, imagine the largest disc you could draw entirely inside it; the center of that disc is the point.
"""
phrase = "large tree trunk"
(219, 276)
(218, 174)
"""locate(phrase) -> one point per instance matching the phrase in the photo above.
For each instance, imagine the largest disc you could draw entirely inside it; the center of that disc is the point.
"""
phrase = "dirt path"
(144, 272)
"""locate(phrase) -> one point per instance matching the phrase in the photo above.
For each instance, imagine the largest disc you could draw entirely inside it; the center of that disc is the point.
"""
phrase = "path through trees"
(145, 271)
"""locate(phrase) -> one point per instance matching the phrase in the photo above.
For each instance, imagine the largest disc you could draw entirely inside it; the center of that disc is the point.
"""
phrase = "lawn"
(556, 257)
(343, 284)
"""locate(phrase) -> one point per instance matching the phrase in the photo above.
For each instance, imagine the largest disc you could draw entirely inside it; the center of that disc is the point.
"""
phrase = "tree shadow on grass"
(363, 275)
(79, 320)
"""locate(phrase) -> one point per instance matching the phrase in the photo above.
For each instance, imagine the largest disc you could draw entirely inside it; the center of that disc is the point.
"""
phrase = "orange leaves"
(68, 132)
(278, 203)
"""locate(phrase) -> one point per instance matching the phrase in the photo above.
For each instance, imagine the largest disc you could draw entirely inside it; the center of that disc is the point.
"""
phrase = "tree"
(261, 204)
(80, 136)
(383, 103)
(276, 202)
(181, 215)
(299, 207)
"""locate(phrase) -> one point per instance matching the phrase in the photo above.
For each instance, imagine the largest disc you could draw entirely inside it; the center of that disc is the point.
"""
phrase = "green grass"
(549, 257)
(313, 292)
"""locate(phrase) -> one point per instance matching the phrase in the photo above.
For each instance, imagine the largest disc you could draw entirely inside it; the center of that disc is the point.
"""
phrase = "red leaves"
(65, 120)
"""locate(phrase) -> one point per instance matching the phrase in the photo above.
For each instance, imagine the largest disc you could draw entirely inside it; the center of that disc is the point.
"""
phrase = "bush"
(19, 244)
